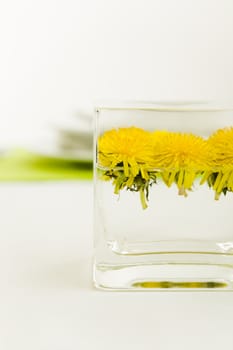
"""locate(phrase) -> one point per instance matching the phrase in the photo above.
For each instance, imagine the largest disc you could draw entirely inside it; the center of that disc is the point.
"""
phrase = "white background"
(60, 56)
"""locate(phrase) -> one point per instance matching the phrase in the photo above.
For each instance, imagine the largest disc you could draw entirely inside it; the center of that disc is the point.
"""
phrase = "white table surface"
(46, 296)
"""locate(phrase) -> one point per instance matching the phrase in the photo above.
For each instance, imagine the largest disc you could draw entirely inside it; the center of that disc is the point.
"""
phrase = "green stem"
(143, 198)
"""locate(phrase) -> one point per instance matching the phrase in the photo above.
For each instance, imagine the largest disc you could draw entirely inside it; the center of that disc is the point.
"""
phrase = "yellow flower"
(130, 148)
(222, 143)
(174, 150)
(180, 157)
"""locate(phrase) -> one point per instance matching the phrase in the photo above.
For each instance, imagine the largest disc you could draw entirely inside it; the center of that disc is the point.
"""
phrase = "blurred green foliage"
(20, 165)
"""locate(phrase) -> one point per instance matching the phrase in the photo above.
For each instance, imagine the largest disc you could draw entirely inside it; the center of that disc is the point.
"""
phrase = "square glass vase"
(163, 196)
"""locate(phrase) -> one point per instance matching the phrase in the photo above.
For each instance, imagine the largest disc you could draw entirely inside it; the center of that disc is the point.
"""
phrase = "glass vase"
(163, 197)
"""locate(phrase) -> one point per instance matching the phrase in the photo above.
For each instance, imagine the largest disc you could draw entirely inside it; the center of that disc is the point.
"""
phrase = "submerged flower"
(126, 155)
(128, 147)
(181, 157)
(222, 142)
(174, 150)
(221, 179)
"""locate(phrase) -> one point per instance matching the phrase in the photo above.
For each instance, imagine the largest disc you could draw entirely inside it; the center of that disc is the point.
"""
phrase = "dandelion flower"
(222, 142)
(174, 150)
(127, 147)
(126, 154)
(181, 157)
(221, 180)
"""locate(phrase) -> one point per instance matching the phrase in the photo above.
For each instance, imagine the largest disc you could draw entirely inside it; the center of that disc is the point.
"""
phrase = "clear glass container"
(163, 197)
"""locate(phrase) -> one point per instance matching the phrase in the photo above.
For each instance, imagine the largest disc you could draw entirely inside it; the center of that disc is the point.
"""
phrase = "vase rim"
(168, 106)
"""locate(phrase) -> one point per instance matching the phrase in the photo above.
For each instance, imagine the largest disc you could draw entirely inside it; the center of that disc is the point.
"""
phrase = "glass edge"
(167, 106)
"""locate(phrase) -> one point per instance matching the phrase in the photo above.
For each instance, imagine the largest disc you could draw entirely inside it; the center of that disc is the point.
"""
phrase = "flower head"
(221, 179)
(222, 143)
(174, 150)
(128, 147)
